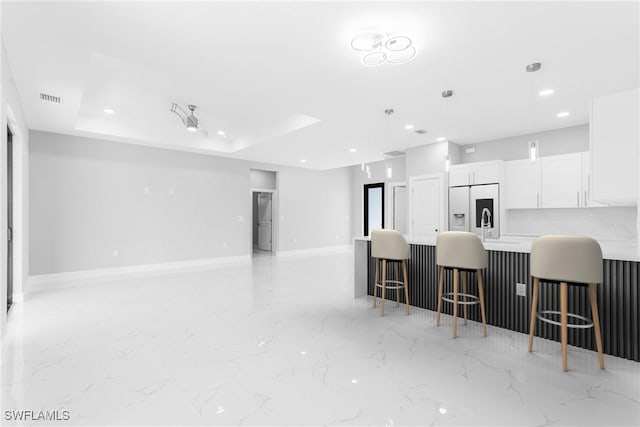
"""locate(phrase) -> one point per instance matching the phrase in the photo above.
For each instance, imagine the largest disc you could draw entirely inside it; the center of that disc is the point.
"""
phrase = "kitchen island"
(508, 264)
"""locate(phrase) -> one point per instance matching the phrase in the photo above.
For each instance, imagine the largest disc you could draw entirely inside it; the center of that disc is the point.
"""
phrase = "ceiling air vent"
(50, 98)
(395, 153)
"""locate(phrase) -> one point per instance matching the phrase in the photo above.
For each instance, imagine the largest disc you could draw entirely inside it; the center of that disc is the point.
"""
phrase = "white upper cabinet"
(561, 181)
(550, 182)
(587, 199)
(476, 173)
(615, 147)
(522, 179)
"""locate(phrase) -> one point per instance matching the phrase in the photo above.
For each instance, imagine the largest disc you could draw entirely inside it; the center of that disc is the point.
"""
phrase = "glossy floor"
(281, 341)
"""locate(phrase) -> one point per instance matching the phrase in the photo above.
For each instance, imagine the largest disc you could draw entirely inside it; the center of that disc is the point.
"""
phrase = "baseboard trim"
(43, 282)
(316, 251)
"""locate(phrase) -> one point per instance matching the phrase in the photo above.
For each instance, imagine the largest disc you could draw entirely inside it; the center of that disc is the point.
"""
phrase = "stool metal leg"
(455, 302)
(534, 309)
(464, 292)
(440, 288)
(375, 283)
(563, 323)
(596, 321)
(481, 297)
(384, 283)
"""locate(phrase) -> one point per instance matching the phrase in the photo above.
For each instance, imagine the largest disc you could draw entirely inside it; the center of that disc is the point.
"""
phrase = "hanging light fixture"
(446, 95)
(533, 142)
(189, 119)
(389, 112)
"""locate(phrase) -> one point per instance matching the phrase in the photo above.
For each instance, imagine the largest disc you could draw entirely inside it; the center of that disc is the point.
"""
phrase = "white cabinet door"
(475, 173)
(486, 173)
(522, 184)
(587, 201)
(615, 147)
(459, 175)
(561, 181)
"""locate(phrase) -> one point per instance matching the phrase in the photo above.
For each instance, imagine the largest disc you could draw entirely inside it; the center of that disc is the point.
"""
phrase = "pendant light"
(446, 95)
(533, 143)
(388, 168)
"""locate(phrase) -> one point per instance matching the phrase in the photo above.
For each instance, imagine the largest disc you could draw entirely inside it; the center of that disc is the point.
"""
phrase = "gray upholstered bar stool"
(566, 259)
(462, 251)
(390, 246)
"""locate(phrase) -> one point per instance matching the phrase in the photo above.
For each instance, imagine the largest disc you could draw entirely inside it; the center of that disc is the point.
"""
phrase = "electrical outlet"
(115, 252)
(521, 289)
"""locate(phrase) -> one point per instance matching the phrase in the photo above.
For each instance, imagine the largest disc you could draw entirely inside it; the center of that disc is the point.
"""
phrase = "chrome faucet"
(485, 224)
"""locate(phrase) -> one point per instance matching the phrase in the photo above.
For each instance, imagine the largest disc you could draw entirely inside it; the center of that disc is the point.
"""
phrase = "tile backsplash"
(608, 223)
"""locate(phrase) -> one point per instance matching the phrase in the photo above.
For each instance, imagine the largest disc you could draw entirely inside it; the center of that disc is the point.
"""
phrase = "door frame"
(10, 216)
(365, 219)
(390, 214)
(274, 215)
(444, 206)
(270, 207)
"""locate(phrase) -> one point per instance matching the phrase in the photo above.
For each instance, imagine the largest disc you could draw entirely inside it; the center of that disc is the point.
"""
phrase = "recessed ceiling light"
(353, 150)
(563, 114)
(303, 161)
(221, 133)
(409, 127)
(442, 138)
(546, 92)
(108, 111)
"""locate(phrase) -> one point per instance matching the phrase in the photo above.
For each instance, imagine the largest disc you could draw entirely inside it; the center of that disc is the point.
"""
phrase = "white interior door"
(426, 206)
(400, 208)
(264, 221)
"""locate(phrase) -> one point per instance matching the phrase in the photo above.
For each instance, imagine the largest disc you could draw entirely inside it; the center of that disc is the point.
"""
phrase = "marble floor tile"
(281, 341)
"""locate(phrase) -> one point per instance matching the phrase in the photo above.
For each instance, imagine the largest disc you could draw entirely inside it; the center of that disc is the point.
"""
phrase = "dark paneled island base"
(618, 296)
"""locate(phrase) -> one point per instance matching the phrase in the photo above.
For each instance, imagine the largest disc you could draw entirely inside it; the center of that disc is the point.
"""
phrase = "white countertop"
(618, 250)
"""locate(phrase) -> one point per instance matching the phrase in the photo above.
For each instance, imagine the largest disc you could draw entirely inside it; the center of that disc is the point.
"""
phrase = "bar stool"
(390, 246)
(575, 260)
(461, 251)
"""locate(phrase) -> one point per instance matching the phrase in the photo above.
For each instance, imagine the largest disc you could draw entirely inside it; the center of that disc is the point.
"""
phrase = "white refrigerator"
(472, 206)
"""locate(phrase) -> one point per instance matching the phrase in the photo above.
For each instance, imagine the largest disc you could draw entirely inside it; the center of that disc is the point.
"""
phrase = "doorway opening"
(9, 218)
(373, 207)
(262, 222)
(264, 205)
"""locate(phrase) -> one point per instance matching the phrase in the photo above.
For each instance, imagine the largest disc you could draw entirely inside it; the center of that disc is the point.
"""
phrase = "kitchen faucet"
(485, 224)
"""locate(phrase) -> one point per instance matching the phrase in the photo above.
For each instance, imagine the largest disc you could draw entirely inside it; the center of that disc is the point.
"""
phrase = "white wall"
(559, 141)
(314, 208)
(427, 159)
(261, 179)
(11, 115)
(88, 198)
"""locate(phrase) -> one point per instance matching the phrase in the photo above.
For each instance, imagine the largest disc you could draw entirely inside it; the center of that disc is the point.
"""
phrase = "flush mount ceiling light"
(379, 48)
(189, 119)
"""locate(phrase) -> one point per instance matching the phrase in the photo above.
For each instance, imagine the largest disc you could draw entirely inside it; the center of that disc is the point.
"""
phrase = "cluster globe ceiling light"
(379, 48)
